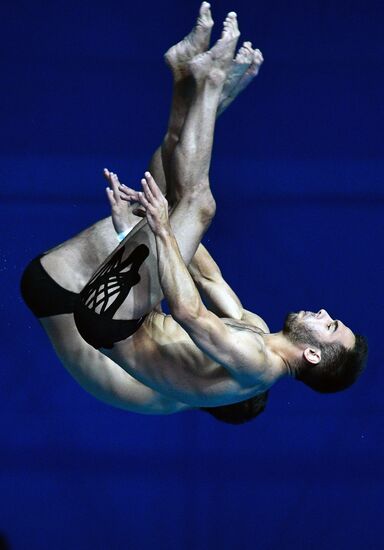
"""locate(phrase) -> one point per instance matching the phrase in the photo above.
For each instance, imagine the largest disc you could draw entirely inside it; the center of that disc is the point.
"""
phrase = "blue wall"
(297, 171)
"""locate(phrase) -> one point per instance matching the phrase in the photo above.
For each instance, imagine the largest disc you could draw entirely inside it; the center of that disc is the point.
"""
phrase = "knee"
(206, 205)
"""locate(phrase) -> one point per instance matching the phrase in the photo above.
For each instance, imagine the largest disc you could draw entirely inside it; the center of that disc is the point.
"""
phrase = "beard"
(296, 332)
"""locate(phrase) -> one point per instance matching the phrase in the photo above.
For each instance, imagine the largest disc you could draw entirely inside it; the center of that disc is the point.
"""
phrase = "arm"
(240, 352)
(220, 297)
(205, 272)
(216, 292)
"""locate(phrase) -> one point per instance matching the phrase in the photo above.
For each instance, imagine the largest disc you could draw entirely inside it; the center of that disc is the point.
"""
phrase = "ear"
(312, 355)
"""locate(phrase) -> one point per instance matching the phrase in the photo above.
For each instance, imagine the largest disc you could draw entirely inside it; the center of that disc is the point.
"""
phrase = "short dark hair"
(338, 369)
(239, 413)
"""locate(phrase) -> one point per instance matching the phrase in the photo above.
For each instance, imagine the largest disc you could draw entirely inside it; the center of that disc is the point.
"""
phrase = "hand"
(130, 195)
(155, 205)
(119, 207)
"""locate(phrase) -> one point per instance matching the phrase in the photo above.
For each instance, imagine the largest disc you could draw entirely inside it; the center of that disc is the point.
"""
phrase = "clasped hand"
(152, 204)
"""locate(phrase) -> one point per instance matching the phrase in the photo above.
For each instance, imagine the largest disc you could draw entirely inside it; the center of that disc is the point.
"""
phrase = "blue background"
(298, 172)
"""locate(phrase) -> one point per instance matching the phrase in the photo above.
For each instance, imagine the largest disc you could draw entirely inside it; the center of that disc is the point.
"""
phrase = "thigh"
(72, 263)
(127, 286)
(99, 375)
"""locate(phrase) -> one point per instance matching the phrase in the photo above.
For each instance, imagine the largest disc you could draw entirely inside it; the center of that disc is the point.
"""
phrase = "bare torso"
(162, 355)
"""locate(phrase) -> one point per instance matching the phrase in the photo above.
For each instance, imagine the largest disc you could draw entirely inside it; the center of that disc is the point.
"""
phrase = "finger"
(154, 188)
(135, 196)
(147, 191)
(124, 190)
(126, 193)
(110, 196)
(143, 200)
(108, 176)
(114, 183)
(127, 198)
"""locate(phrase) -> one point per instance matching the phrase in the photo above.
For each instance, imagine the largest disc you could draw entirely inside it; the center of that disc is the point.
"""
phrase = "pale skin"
(194, 208)
(160, 343)
(194, 356)
(73, 262)
(199, 381)
(236, 356)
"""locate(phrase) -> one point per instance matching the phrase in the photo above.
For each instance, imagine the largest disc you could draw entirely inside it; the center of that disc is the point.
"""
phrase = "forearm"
(177, 284)
(220, 298)
(218, 295)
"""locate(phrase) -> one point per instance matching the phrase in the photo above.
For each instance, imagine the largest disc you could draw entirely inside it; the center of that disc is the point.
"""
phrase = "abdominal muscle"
(162, 355)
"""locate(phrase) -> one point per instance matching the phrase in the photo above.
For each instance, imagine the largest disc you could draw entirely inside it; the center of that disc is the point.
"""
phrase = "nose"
(323, 313)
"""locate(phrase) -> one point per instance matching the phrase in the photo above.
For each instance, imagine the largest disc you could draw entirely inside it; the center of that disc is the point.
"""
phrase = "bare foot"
(197, 41)
(215, 63)
(251, 70)
(240, 65)
(254, 68)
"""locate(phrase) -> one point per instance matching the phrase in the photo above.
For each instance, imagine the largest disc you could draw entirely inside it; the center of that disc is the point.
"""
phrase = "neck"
(284, 352)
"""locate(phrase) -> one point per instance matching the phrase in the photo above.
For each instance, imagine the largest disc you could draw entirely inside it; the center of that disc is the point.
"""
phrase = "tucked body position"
(123, 349)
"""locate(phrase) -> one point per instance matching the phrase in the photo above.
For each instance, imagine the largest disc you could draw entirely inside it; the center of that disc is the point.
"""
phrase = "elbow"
(186, 314)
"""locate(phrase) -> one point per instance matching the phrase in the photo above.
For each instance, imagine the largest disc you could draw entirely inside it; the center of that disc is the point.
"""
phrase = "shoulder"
(250, 357)
(255, 320)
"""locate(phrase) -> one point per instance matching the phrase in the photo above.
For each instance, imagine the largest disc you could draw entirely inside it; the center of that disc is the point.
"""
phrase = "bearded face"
(296, 330)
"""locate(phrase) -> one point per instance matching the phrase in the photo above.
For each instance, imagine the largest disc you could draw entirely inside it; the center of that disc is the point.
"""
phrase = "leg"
(73, 263)
(97, 374)
(135, 292)
(245, 67)
(86, 250)
(70, 265)
(100, 376)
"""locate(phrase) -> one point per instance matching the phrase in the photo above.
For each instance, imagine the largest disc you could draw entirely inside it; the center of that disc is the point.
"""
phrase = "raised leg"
(177, 58)
(72, 263)
(244, 68)
(126, 286)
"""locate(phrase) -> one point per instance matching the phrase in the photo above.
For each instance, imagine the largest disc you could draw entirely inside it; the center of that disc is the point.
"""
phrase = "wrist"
(122, 234)
(165, 232)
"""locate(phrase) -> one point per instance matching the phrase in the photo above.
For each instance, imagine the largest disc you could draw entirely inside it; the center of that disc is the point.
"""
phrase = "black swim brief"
(100, 331)
(42, 294)
(106, 291)
(46, 298)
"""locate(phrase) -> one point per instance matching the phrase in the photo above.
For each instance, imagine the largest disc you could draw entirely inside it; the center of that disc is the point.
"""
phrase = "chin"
(290, 322)
(296, 330)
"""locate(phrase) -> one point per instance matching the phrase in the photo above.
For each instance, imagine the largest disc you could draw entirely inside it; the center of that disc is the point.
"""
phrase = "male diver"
(51, 283)
(193, 358)
(193, 355)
